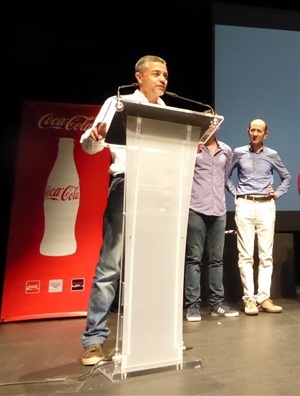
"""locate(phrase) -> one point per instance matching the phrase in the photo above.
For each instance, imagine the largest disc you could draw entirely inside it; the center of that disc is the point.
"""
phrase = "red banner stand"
(53, 279)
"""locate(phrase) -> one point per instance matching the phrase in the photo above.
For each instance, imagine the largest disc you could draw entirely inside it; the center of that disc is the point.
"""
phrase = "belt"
(255, 198)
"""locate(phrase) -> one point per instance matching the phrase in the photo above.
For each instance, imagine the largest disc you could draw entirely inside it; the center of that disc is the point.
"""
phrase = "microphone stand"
(174, 95)
(119, 104)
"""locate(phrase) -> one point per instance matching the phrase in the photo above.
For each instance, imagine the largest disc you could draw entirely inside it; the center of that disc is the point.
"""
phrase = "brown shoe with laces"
(251, 308)
(92, 355)
(269, 306)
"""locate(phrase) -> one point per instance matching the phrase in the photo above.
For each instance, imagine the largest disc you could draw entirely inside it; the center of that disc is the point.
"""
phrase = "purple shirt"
(210, 174)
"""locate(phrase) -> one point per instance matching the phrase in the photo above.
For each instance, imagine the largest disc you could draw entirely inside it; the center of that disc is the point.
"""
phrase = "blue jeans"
(107, 273)
(209, 232)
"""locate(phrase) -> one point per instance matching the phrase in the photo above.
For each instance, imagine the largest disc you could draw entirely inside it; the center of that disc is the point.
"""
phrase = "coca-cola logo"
(68, 193)
(78, 122)
(32, 287)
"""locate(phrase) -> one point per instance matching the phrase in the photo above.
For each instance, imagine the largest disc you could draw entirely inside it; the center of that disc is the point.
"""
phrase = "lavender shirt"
(210, 175)
(255, 172)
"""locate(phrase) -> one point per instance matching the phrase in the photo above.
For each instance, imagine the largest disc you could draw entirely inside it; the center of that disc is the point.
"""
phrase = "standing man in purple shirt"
(206, 229)
(255, 213)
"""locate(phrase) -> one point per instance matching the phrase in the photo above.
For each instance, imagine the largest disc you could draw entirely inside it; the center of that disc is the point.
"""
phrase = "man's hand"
(99, 131)
(271, 192)
(200, 147)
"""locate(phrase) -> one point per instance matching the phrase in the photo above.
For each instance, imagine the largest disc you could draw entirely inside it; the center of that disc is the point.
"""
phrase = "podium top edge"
(170, 114)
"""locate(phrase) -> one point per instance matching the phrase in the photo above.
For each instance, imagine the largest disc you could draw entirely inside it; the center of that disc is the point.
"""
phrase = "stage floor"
(257, 355)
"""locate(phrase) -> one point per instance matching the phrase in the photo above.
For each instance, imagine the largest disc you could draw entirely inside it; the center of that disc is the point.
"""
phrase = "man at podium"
(152, 75)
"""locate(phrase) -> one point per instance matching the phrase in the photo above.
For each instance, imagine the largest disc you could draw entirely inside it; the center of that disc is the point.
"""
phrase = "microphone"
(174, 95)
(119, 104)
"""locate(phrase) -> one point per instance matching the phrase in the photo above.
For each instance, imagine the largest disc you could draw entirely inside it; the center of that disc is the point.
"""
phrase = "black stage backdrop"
(68, 52)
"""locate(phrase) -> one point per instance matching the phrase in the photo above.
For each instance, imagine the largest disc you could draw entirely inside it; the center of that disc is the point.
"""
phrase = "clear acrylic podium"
(161, 150)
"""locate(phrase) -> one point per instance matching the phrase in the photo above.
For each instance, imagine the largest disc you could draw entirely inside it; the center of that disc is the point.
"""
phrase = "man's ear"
(138, 76)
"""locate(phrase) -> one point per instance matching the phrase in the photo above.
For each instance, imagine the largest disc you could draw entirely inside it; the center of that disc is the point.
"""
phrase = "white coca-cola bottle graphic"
(61, 203)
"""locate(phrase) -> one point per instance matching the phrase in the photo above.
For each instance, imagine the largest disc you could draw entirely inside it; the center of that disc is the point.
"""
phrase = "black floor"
(257, 355)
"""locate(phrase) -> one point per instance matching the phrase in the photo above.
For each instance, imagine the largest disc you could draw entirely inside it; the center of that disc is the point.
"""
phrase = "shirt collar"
(138, 94)
(250, 148)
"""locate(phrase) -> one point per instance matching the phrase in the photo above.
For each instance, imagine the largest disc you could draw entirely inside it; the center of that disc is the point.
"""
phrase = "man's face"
(153, 82)
(257, 132)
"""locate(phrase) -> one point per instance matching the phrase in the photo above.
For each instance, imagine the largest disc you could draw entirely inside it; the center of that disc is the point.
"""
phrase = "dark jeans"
(204, 232)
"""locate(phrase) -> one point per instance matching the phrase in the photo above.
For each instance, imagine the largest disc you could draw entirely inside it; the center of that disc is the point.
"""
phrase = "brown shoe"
(92, 355)
(251, 308)
(269, 306)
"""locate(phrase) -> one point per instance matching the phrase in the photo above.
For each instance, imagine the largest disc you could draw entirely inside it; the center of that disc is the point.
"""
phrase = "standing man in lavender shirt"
(206, 229)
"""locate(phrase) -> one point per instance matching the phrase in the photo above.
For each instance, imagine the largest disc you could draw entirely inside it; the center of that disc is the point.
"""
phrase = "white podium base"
(114, 371)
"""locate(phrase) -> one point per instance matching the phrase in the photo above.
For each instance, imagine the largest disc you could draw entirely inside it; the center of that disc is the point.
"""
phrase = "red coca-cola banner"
(59, 198)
